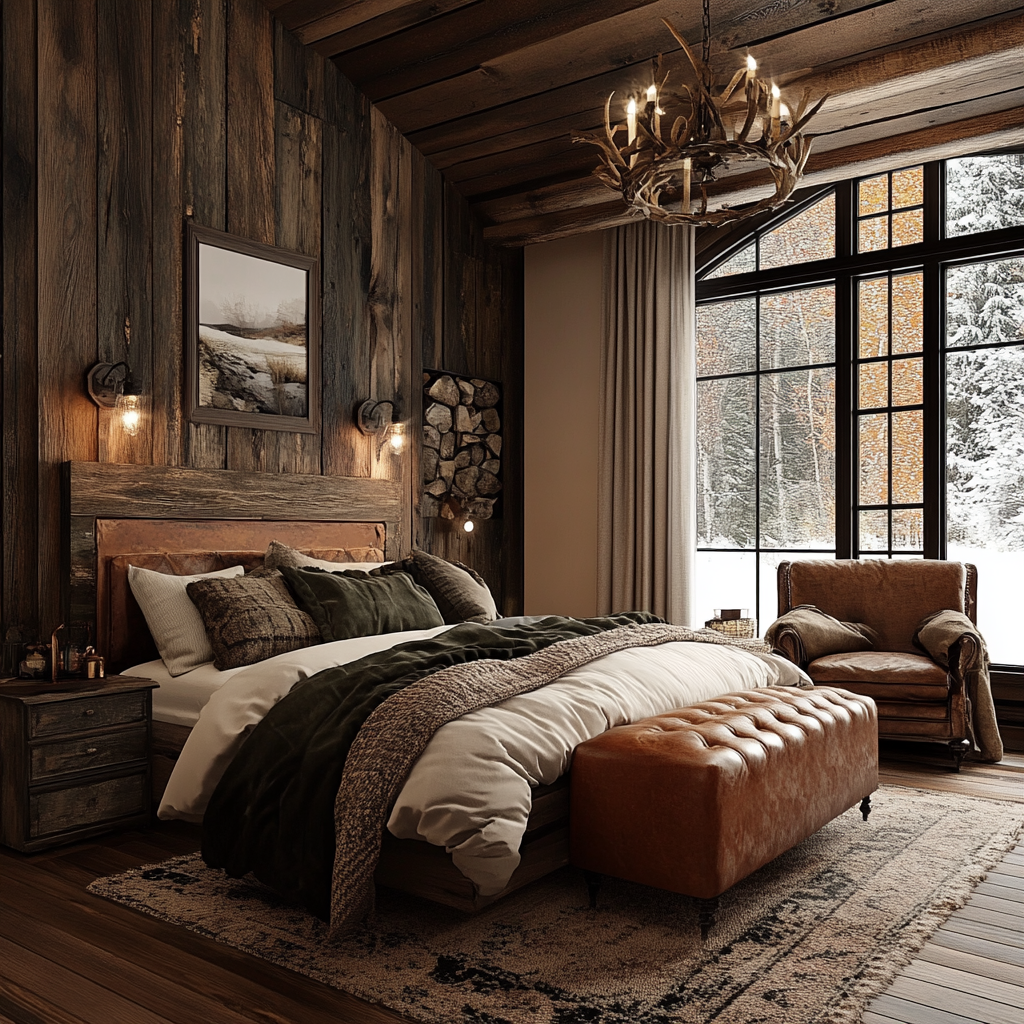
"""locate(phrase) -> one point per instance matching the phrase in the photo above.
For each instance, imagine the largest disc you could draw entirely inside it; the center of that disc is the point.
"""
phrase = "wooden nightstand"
(74, 759)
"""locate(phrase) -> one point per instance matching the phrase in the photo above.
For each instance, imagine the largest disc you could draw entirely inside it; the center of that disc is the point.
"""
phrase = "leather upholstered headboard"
(182, 547)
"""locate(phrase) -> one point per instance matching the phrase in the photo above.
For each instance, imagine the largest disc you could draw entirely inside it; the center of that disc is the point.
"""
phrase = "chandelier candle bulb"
(776, 105)
(631, 122)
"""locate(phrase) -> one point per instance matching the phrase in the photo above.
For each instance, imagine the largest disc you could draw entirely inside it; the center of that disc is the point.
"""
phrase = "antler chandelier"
(665, 166)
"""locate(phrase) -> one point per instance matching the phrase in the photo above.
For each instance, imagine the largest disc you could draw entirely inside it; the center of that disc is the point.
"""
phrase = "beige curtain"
(647, 513)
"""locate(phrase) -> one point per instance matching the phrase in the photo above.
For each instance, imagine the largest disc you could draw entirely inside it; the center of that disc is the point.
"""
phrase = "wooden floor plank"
(997, 905)
(23, 1006)
(1004, 875)
(1010, 892)
(1011, 922)
(890, 1008)
(106, 968)
(984, 930)
(69, 991)
(972, 963)
(965, 981)
(997, 952)
(966, 1004)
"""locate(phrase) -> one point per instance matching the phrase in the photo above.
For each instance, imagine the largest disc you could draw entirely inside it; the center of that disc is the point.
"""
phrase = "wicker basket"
(743, 629)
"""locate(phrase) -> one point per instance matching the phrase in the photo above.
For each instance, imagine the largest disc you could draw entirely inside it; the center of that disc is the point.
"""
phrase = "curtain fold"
(647, 514)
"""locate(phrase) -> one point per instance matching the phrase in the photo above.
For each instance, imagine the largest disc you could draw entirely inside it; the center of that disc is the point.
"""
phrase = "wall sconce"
(117, 391)
(376, 419)
(451, 508)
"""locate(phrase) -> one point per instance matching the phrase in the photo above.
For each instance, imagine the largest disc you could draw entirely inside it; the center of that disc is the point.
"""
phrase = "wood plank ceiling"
(489, 90)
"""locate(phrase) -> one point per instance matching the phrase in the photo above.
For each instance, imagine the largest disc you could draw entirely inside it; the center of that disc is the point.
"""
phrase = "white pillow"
(279, 554)
(173, 619)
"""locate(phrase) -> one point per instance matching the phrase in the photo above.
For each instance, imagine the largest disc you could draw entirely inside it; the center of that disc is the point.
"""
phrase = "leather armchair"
(917, 698)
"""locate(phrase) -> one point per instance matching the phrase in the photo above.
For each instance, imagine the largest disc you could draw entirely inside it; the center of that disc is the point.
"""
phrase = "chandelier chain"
(706, 44)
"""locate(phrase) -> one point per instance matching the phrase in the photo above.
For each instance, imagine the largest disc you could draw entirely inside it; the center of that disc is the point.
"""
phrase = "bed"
(184, 545)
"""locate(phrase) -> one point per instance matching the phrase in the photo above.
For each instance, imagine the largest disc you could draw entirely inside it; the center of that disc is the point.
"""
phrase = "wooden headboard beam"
(109, 490)
(104, 490)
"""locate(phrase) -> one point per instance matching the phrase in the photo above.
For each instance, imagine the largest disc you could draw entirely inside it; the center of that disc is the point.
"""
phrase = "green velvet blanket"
(273, 812)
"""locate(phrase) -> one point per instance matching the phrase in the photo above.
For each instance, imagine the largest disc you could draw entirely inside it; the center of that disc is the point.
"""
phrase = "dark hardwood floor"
(67, 957)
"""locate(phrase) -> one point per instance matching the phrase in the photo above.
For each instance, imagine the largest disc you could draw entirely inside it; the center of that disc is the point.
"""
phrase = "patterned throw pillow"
(251, 618)
(459, 593)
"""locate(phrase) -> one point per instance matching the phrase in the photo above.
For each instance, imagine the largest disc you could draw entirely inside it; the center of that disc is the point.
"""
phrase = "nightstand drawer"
(66, 756)
(87, 713)
(61, 810)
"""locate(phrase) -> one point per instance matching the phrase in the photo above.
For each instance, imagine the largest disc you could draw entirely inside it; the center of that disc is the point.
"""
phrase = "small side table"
(74, 759)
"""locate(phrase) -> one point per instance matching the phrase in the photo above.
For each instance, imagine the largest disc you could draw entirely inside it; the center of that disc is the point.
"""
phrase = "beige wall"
(562, 362)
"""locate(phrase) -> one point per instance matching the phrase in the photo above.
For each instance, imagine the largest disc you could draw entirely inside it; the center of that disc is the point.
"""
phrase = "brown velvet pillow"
(253, 619)
(459, 593)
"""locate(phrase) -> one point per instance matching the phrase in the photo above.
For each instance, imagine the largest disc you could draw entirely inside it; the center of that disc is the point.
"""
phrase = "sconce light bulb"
(397, 439)
(468, 526)
(129, 408)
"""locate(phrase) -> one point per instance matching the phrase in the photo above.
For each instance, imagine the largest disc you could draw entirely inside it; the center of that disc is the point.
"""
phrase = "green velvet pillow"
(349, 604)
(459, 593)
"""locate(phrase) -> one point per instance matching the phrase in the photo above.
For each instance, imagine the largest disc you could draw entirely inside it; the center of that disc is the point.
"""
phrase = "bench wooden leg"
(593, 880)
(865, 807)
(706, 910)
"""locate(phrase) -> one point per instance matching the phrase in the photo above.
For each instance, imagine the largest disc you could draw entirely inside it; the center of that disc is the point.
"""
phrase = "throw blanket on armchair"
(285, 811)
(951, 639)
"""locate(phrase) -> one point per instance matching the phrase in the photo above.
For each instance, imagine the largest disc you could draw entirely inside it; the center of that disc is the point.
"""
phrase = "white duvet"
(470, 790)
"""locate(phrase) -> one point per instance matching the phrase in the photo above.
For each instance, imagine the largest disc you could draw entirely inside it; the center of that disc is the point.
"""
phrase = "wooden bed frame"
(178, 521)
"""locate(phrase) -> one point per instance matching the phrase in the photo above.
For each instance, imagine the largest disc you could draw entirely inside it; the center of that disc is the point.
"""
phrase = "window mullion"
(934, 433)
(846, 520)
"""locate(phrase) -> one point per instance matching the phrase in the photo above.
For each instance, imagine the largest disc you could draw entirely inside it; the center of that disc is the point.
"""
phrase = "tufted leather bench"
(698, 798)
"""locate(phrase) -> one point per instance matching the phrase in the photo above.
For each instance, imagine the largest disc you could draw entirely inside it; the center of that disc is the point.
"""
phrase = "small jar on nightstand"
(74, 759)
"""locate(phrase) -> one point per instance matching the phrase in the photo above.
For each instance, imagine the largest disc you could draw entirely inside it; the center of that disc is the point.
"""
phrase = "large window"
(861, 388)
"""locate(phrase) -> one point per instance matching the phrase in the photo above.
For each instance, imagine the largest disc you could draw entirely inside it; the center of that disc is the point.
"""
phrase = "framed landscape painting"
(253, 334)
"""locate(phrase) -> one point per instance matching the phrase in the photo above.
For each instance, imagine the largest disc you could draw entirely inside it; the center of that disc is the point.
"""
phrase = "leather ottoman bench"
(698, 798)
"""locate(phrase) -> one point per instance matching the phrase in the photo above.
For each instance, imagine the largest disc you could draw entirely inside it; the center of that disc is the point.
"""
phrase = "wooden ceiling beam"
(387, 24)
(313, 19)
(941, 142)
(449, 46)
(497, 144)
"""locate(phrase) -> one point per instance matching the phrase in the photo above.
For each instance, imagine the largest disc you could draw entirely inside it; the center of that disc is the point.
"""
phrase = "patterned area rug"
(810, 937)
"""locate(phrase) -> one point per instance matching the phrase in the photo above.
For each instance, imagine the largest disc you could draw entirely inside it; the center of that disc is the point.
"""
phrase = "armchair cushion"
(884, 676)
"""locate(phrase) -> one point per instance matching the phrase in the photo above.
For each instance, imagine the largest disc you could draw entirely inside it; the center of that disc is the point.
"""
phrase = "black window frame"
(931, 256)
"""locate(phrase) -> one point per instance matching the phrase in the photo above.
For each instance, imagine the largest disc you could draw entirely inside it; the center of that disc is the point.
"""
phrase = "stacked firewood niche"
(461, 446)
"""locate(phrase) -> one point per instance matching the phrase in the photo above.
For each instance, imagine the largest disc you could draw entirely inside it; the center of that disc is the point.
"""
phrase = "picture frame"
(248, 306)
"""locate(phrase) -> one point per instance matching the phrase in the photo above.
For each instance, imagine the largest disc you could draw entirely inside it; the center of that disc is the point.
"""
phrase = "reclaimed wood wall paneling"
(122, 119)
(66, 271)
(19, 395)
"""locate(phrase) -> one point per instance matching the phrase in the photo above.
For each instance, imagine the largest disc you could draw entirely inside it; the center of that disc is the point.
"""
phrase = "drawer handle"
(88, 712)
(92, 750)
